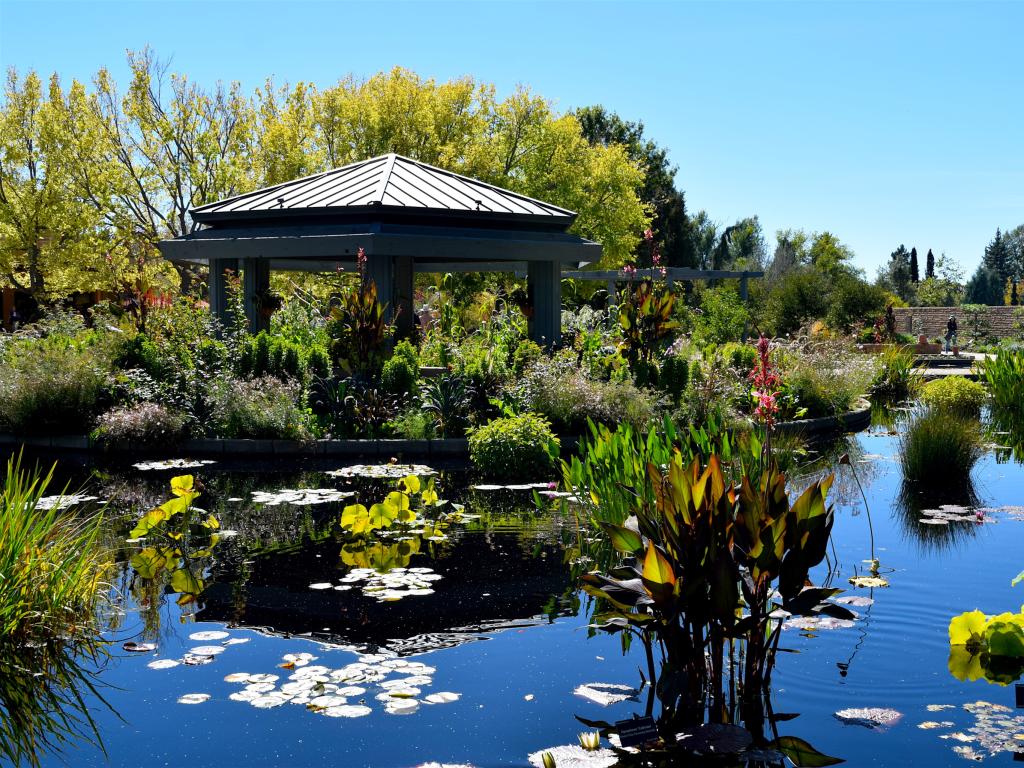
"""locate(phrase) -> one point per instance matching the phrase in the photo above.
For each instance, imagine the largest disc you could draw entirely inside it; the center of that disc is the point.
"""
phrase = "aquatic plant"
(990, 647)
(52, 572)
(514, 448)
(703, 568)
(939, 450)
(645, 321)
(51, 561)
(1004, 374)
(954, 393)
(177, 542)
(896, 376)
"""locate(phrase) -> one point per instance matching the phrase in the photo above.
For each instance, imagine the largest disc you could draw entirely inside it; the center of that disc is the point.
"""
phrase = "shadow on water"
(46, 693)
(937, 519)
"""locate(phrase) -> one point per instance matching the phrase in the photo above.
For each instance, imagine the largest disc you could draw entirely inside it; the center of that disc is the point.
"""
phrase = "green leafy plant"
(895, 374)
(955, 394)
(447, 400)
(704, 566)
(514, 448)
(359, 329)
(264, 408)
(1004, 375)
(989, 647)
(646, 322)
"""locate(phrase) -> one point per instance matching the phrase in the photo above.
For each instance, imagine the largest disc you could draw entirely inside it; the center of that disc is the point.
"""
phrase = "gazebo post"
(380, 269)
(218, 289)
(744, 296)
(403, 273)
(544, 286)
(255, 285)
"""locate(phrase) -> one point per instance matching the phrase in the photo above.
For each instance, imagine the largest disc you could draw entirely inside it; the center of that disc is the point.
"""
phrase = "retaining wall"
(933, 320)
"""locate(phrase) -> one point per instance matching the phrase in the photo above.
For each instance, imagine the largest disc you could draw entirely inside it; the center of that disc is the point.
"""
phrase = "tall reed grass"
(1004, 375)
(52, 567)
(939, 449)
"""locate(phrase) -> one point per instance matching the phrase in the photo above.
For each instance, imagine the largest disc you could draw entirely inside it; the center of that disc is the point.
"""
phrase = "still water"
(498, 623)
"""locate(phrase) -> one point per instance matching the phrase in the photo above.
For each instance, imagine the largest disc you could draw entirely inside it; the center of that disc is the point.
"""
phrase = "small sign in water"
(636, 731)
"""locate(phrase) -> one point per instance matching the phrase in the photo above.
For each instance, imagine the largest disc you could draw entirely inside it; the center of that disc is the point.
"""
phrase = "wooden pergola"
(407, 216)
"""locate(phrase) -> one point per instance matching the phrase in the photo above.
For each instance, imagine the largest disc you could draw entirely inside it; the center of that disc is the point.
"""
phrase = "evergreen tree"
(984, 287)
(997, 257)
(915, 274)
(929, 268)
(897, 273)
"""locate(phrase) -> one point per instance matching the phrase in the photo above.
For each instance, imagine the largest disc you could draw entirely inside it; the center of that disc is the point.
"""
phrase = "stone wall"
(933, 320)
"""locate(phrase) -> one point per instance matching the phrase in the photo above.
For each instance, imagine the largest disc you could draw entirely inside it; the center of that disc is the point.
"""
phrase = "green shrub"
(514, 448)
(265, 354)
(674, 376)
(413, 424)
(1004, 375)
(406, 351)
(50, 386)
(398, 377)
(742, 357)
(567, 396)
(266, 408)
(895, 375)
(826, 381)
(954, 393)
(527, 352)
(939, 450)
(142, 424)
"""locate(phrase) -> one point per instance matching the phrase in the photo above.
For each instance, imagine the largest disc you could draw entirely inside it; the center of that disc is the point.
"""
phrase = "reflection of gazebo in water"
(407, 216)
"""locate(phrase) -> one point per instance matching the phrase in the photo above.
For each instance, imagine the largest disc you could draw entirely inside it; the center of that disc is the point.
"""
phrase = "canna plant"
(705, 566)
(358, 327)
(646, 322)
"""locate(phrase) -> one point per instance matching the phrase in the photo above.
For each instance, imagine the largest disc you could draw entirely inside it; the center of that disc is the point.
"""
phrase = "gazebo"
(407, 216)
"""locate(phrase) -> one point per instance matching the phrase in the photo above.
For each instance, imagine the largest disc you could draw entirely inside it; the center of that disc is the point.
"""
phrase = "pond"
(474, 648)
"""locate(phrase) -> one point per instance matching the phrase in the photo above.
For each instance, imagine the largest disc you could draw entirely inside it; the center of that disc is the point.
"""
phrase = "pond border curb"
(853, 421)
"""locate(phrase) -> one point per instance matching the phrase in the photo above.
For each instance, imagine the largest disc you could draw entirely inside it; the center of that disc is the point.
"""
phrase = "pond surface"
(491, 616)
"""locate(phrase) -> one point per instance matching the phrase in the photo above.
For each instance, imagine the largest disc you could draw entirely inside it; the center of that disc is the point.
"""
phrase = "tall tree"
(46, 235)
(997, 256)
(915, 273)
(896, 274)
(705, 239)
(672, 230)
(1014, 240)
(984, 287)
(929, 266)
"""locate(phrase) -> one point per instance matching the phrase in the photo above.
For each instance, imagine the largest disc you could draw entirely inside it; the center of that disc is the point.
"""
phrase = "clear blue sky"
(885, 123)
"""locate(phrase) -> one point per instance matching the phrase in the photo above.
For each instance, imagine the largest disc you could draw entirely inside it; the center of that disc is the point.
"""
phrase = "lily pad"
(442, 697)
(146, 466)
(574, 756)
(302, 497)
(134, 647)
(208, 636)
(347, 710)
(870, 582)
(606, 694)
(383, 471)
(163, 664)
(193, 698)
(207, 650)
(875, 718)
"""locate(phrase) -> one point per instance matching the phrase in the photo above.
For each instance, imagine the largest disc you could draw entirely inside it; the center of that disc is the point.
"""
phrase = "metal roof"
(390, 184)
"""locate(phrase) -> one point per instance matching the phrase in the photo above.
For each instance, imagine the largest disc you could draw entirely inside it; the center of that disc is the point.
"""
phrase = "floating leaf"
(869, 717)
(193, 698)
(163, 664)
(968, 629)
(801, 753)
(139, 647)
(207, 636)
(868, 581)
(148, 562)
(606, 693)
